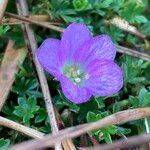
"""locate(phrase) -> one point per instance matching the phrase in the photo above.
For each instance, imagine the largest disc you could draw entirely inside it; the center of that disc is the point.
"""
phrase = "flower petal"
(74, 93)
(100, 47)
(47, 56)
(105, 78)
(73, 37)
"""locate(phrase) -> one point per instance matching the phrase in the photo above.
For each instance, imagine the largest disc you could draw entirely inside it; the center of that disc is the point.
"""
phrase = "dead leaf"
(9, 67)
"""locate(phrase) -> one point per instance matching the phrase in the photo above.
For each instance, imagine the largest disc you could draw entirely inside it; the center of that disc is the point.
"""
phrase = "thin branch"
(10, 23)
(120, 49)
(21, 128)
(133, 53)
(30, 38)
(3, 4)
(123, 143)
(67, 144)
(93, 139)
(8, 69)
(21, 22)
(117, 118)
(124, 25)
(59, 29)
(42, 18)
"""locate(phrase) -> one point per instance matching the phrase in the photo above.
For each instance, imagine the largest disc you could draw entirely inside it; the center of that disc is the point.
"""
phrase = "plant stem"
(117, 118)
(8, 69)
(31, 42)
(59, 29)
(21, 128)
(3, 5)
(120, 49)
(125, 143)
(133, 53)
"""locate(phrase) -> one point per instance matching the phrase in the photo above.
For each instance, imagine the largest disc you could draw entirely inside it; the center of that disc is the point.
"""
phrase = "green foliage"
(4, 144)
(145, 28)
(133, 70)
(3, 30)
(131, 11)
(16, 35)
(115, 33)
(142, 100)
(26, 109)
(25, 103)
(25, 86)
(105, 133)
(81, 5)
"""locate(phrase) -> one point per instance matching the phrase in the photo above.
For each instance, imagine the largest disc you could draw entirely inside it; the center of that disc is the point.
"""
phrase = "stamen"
(77, 80)
(75, 74)
(78, 72)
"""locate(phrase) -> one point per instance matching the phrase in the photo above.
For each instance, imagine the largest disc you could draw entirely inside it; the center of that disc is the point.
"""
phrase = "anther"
(77, 80)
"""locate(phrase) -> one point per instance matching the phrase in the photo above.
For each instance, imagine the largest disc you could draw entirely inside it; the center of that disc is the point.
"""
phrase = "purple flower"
(83, 64)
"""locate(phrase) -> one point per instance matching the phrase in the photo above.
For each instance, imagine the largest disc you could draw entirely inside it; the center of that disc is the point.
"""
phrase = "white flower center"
(75, 74)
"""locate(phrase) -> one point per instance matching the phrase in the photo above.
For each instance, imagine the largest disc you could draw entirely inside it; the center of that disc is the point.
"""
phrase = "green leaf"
(42, 115)
(115, 33)
(131, 10)
(98, 4)
(4, 144)
(91, 116)
(144, 98)
(103, 133)
(3, 30)
(117, 4)
(81, 4)
(141, 19)
(88, 107)
(26, 87)
(62, 101)
(100, 102)
(136, 80)
(107, 137)
(145, 28)
(26, 108)
(123, 131)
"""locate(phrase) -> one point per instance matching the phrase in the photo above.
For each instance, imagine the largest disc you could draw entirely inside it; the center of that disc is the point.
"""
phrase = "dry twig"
(133, 53)
(39, 18)
(123, 143)
(120, 49)
(8, 69)
(67, 144)
(59, 29)
(124, 25)
(117, 118)
(21, 128)
(30, 39)
(3, 4)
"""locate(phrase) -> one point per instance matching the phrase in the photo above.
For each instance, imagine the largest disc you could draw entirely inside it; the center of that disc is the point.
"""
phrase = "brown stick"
(124, 25)
(21, 22)
(21, 128)
(30, 38)
(43, 18)
(59, 29)
(67, 144)
(123, 143)
(9, 67)
(40, 18)
(3, 4)
(133, 53)
(117, 118)
(120, 49)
